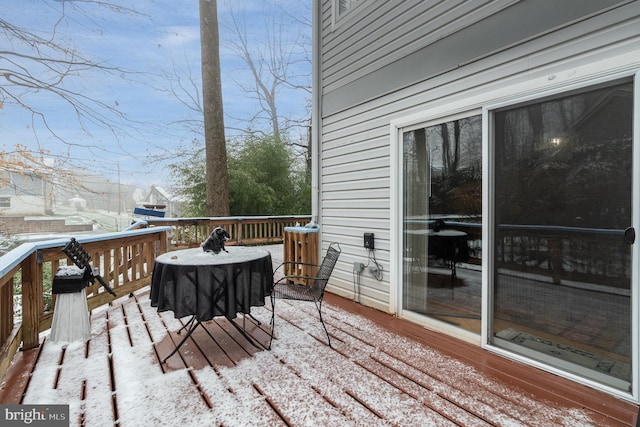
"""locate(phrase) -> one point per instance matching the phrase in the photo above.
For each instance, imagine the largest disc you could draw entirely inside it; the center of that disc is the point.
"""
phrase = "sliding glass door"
(561, 243)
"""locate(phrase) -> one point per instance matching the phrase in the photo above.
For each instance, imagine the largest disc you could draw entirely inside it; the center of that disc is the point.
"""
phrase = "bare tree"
(185, 87)
(31, 65)
(273, 63)
(215, 144)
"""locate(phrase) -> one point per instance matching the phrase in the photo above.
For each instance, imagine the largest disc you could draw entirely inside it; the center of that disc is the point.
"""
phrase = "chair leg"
(319, 307)
(273, 318)
(251, 316)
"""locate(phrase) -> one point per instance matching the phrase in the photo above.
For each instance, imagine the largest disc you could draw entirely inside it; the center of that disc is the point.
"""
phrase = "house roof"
(169, 194)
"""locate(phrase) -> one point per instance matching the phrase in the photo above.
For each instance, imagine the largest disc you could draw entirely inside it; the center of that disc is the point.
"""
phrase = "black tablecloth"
(194, 282)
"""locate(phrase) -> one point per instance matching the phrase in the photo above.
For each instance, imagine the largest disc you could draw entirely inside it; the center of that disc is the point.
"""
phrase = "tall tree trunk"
(446, 154)
(422, 185)
(215, 144)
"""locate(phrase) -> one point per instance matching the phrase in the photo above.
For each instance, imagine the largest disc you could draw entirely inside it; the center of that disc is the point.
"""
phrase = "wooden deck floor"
(382, 371)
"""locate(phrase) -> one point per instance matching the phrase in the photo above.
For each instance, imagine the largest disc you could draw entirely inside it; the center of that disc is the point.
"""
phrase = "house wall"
(24, 205)
(392, 45)
(397, 62)
(25, 191)
(173, 206)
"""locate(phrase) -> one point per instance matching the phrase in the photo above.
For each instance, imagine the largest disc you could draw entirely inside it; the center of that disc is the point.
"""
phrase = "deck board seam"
(344, 389)
(367, 355)
(484, 413)
(428, 403)
(479, 395)
(272, 400)
(273, 405)
(510, 373)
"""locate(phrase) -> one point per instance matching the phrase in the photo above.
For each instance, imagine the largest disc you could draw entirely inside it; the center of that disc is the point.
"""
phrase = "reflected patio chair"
(291, 287)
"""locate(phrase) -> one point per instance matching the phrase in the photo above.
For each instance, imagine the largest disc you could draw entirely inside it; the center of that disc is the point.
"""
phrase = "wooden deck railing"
(257, 230)
(124, 259)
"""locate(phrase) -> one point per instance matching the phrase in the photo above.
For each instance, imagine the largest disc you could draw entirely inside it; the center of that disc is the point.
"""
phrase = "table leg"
(192, 328)
(453, 261)
(243, 332)
(453, 272)
(188, 324)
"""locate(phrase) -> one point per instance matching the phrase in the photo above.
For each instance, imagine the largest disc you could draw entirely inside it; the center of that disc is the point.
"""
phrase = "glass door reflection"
(442, 222)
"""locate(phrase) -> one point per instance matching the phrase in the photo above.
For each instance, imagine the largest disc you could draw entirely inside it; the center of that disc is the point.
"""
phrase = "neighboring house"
(24, 193)
(492, 149)
(168, 198)
(97, 192)
(77, 203)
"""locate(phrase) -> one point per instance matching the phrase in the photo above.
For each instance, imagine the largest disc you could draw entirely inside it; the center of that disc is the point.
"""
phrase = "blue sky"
(159, 43)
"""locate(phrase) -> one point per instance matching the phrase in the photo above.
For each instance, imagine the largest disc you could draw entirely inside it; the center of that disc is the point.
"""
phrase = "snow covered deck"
(382, 371)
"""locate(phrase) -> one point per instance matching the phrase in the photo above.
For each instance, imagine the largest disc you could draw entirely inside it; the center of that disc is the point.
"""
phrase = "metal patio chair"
(290, 287)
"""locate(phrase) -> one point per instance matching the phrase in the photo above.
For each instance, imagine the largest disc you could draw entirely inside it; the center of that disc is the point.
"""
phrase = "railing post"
(6, 307)
(164, 243)
(240, 230)
(31, 297)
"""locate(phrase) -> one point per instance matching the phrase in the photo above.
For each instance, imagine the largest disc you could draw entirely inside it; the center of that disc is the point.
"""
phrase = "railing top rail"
(224, 218)
(9, 260)
(531, 227)
(559, 228)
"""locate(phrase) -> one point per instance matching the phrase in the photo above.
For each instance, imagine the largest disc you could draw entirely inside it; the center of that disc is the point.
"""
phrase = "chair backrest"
(325, 270)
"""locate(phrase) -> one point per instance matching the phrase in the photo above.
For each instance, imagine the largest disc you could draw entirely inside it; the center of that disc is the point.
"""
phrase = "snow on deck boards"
(373, 376)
